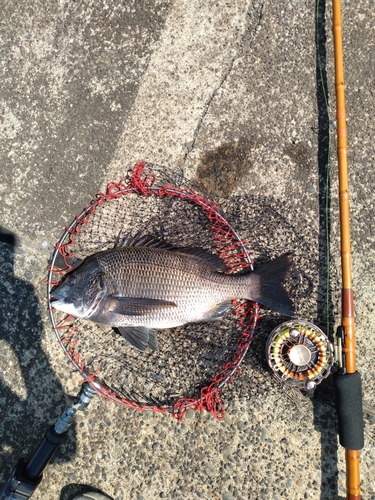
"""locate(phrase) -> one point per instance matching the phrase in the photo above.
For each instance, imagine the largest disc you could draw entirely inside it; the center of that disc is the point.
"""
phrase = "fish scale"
(163, 273)
(183, 279)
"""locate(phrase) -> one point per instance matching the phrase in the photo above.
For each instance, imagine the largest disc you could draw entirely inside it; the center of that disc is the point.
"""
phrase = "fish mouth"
(59, 295)
(56, 293)
(57, 303)
(60, 303)
(66, 307)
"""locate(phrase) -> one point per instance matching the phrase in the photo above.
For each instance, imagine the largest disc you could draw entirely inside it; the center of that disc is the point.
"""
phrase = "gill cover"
(81, 291)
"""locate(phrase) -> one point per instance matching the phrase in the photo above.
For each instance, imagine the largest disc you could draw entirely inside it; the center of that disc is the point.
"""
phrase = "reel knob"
(299, 354)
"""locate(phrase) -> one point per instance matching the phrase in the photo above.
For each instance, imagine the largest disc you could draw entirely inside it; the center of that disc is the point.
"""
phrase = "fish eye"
(71, 281)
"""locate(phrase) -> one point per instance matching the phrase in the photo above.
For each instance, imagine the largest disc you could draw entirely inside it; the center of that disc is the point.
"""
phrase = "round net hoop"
(232, 251)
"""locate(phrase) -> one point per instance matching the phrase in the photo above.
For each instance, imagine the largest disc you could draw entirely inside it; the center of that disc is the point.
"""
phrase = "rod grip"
(349, 410)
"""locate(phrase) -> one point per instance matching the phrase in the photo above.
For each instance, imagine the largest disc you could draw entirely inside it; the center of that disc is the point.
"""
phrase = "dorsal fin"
(142, 241)
(150, 241)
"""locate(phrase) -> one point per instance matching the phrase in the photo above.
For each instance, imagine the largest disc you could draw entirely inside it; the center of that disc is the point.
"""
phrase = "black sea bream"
(146, 284)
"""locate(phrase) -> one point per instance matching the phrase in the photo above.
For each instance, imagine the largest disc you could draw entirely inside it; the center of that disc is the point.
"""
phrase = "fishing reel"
(299, 354)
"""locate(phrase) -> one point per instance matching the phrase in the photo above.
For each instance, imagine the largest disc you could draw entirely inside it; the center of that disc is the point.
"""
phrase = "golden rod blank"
(347, 319)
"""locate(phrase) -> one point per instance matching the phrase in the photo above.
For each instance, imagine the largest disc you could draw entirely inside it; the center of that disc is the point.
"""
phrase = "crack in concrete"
(258, 9)
(207, 107)
(258, 13)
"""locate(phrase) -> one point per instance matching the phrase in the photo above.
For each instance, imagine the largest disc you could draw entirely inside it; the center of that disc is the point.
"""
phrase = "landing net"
(193, 362)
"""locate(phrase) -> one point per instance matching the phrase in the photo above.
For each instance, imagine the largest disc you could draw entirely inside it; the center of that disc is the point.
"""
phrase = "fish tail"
(272, 293)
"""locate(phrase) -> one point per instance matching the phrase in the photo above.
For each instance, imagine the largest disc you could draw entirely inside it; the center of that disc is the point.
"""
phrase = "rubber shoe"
(92, 495)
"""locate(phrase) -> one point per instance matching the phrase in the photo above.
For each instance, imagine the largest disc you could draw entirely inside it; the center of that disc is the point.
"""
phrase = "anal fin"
(218, 311)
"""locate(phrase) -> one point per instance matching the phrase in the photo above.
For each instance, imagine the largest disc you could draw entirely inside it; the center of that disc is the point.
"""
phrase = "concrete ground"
(228, 93)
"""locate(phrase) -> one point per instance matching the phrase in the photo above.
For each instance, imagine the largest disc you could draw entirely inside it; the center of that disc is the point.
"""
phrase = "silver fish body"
(138, 288)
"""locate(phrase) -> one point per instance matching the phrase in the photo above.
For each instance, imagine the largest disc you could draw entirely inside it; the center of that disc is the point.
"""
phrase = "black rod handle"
(349, 410)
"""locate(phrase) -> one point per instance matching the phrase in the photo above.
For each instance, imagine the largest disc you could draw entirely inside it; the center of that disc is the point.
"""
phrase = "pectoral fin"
(134, 306)
(139, 337)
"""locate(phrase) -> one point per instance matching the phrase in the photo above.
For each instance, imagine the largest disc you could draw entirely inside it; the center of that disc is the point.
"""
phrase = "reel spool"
(299, 354)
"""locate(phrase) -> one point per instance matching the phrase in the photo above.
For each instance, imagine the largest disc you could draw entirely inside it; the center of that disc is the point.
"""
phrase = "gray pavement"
(227, 94)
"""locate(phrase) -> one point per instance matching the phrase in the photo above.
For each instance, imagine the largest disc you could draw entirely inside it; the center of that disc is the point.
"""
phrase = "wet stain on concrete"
(221, 170)
(299, 153)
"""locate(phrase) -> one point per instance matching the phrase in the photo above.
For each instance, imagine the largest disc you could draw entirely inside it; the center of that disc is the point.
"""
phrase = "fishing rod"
(348, 380)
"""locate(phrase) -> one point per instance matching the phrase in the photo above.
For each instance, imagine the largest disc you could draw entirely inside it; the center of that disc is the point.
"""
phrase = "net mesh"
(193, 362)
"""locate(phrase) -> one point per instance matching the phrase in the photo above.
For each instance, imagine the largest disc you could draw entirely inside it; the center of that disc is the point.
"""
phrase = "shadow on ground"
(32, 395)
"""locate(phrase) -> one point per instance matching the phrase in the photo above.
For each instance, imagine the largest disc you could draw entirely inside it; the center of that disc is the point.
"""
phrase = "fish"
(144, 283)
